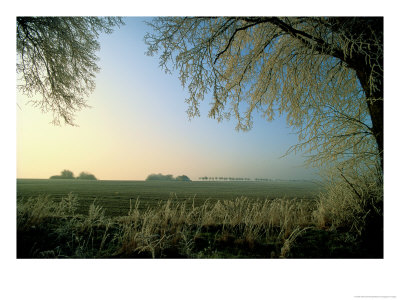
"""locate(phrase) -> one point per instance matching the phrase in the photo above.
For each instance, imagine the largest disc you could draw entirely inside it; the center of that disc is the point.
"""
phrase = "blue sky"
(138, 125)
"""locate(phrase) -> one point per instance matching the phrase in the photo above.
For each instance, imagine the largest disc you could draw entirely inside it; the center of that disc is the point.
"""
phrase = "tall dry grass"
(350, 204)
(181, 229)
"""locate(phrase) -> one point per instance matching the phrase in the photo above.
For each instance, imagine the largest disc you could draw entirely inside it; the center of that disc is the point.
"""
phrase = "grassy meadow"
(157, 219)
(115, 196)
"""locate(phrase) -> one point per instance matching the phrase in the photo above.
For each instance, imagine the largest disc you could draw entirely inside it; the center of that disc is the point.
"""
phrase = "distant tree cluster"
(182, 178)
(67, 174)
(263, 179)
(85, 175)
(206, 178)
(168, 177)
(160, 177)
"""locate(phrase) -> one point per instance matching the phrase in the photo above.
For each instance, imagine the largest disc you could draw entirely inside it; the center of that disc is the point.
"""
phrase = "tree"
(87, 176)
(325, 74)
(56, 58)
(160, 176)
(67, 174)
(182, 178)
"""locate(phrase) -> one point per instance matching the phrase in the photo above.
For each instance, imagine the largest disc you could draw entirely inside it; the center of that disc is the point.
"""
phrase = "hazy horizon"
(137, 125)
(192, 179)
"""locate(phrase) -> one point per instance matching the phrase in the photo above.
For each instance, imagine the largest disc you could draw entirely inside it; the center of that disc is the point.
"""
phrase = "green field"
(115, 196)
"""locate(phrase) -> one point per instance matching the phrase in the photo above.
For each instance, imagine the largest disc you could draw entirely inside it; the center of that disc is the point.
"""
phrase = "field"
(160, 219)
(114, 196)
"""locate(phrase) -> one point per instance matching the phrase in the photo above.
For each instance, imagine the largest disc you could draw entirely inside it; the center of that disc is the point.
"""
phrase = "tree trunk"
(368, 64)
(375, 106)
(376, 111)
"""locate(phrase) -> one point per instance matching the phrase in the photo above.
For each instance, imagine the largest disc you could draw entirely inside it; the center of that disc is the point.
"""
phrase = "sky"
(137, 125)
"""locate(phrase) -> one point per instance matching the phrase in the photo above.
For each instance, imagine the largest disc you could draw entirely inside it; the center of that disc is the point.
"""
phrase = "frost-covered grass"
(335, 225)
(114, 196)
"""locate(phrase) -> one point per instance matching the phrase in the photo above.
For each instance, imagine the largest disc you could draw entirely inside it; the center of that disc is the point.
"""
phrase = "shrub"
(348, 205)
(354, 208)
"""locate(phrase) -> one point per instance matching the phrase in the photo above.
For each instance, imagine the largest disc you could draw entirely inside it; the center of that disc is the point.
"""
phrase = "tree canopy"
(168, 177)
(65, 174)
(182, 178)
(87, 176)
(160, 176)
(56, 58)
(324, 74)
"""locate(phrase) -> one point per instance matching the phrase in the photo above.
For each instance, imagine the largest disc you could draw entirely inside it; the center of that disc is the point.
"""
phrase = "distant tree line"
(206, 178)
(168, 177)
(263, 179)
(67, 174)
